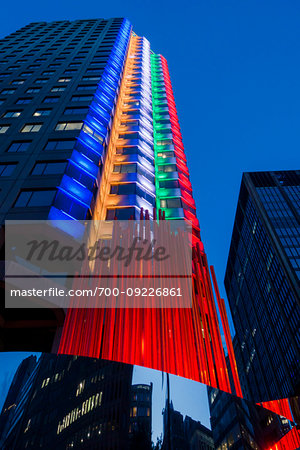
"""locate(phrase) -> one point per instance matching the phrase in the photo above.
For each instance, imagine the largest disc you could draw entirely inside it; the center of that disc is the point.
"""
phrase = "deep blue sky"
(235, 70)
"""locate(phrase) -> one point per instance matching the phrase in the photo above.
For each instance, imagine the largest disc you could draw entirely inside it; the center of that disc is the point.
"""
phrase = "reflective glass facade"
(262, 284)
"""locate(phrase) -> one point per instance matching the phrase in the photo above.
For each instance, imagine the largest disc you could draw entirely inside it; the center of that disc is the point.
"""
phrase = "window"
(86, 87)
(120, 213)
(165, 154)
(165, 142)
(169, 184)
(92, 133)
(68, 126)
(90, 78)
(66, 144)
(41, 80)
(3, 128)
(18, 146)
(58, 88)
(31, 128)
(18, 82)
(42, 112)
(92, 70)
(7, 91)
(26, 74)
(64, 80)
(9, 114)
(76, 110)
(125, 168)
(82, 98)
(171, 203)
(49, 168)
(48, 72)
(129, 136)
(123, 189)
(7, 169)
(32, 90)
(35, 198)
(167, 168)
(23, 101)
(50, 99)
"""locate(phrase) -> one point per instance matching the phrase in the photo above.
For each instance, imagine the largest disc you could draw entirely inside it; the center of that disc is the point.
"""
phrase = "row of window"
(47, 112)
(75, 98)
(40, 168)
(60, 80)
(103, 49)
(44, 32)
(22, 146)
(35, 127)
(83, 87)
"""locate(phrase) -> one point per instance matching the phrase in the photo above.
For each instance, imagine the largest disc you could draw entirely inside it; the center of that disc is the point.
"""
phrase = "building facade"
(262, 284)
(16, 400)
(71, 403)
(184, 433)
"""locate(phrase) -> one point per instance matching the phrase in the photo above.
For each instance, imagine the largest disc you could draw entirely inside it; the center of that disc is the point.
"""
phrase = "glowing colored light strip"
(128, 87)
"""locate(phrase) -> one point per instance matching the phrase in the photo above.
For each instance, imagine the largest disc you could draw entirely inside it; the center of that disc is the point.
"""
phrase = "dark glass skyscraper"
(262, 284)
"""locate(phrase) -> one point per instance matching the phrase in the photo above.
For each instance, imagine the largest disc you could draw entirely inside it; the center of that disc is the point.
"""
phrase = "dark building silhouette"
(199, 437)
(240, 424)
(230, 421)
(184, 433)
(141, 416)
(16, 398)
(72, 402)
(262, 284)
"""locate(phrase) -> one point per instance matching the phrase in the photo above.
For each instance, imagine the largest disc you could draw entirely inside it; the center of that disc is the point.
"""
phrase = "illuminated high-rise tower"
(89, 130)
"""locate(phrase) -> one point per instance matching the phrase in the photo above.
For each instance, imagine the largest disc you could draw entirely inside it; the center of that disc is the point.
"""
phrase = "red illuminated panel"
(291, 441)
